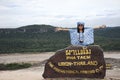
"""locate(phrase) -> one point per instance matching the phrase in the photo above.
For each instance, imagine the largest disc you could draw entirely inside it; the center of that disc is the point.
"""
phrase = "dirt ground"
(35, 73)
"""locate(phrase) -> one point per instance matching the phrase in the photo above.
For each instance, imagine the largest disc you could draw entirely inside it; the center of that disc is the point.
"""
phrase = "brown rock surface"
(76, 61)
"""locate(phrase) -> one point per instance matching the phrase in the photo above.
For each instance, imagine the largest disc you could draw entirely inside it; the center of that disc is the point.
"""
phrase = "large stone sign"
(76, 62)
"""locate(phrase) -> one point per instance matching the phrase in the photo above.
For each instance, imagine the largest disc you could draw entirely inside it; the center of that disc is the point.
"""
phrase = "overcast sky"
(65, 13)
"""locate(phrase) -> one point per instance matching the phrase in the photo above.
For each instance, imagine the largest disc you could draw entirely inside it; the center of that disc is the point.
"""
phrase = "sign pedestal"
(75, 79)
(76, 62)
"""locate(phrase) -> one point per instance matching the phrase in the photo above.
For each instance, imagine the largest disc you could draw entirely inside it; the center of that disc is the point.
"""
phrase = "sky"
(60, 13)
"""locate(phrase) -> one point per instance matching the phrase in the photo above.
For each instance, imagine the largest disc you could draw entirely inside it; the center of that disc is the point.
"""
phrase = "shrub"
(14, 66)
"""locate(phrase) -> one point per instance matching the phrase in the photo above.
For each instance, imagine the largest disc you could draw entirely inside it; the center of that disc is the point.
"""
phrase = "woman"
(80, 30)
(83, 36)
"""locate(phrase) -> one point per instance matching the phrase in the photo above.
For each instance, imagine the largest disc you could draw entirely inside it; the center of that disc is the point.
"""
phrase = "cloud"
(15, 13)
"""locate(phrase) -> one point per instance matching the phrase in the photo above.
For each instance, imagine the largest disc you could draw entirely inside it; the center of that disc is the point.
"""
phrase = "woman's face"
(80, 27)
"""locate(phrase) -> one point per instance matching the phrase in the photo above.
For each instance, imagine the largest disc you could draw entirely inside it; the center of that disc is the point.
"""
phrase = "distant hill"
(108, 38)
(109, 32)
(29, 28)
(45, 38)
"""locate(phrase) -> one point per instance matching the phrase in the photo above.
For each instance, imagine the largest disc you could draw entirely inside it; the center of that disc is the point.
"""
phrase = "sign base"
(76, 62)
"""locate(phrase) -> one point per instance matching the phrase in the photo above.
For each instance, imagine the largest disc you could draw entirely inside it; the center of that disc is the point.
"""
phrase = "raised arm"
(99, 27)
(67, 29)
(61, 29)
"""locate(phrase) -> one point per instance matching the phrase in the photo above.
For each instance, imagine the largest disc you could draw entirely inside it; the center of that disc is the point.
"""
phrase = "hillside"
(108, 38)
(33, 39)
(45, 38)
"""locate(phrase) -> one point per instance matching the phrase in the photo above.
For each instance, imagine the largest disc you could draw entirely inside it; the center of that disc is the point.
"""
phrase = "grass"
(14, 66)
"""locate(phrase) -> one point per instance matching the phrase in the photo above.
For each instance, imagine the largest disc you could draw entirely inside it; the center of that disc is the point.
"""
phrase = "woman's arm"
(67, 29)
(99, 27)
(61, 29)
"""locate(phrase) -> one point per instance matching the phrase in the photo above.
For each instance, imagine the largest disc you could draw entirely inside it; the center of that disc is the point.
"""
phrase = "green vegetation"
(43, 38)
(33, 39)
(14, 66)
(108, 39)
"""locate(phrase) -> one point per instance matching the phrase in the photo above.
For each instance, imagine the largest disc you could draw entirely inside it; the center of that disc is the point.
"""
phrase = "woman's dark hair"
(78, 28)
